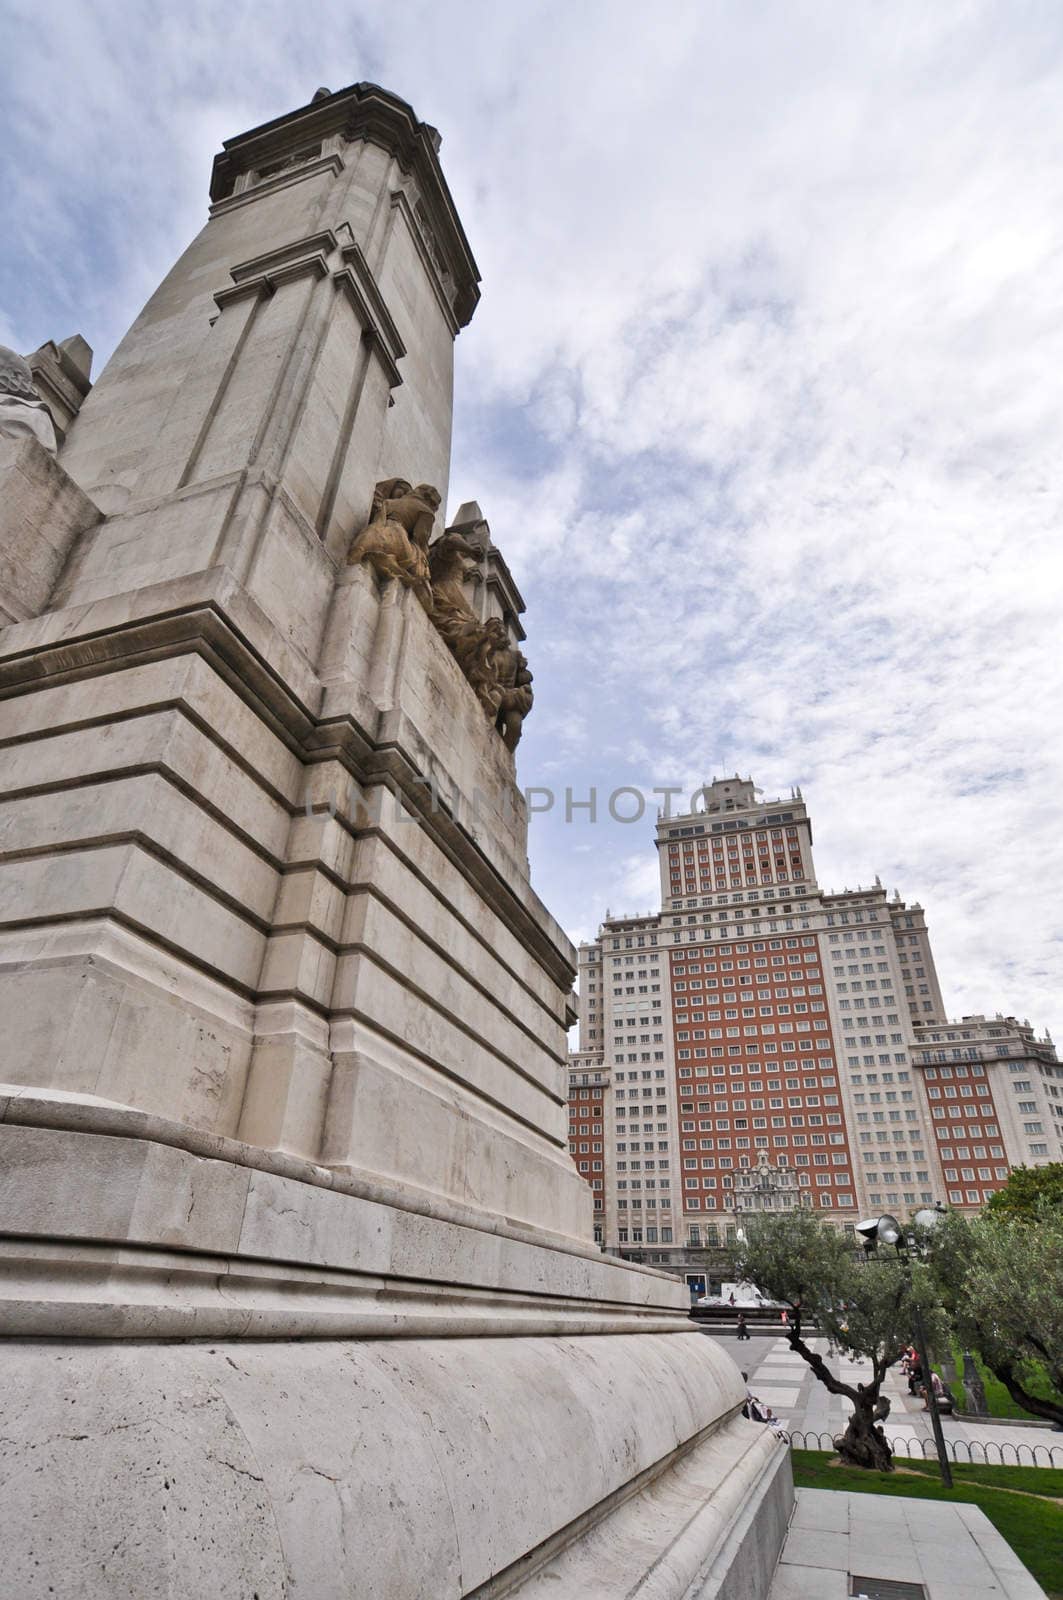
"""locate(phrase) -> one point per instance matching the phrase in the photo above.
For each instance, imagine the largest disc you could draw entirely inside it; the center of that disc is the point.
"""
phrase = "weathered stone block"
(44, 514)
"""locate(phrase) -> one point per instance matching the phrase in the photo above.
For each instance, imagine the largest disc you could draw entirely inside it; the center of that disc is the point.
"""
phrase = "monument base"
(397, 1469)
(228, 1376)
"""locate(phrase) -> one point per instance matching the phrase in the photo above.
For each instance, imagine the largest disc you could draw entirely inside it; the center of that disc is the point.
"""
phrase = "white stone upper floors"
(623, 990)
(591, 995)
(735, 849)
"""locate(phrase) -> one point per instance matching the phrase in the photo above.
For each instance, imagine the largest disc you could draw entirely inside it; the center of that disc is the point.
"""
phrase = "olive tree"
(864, 1306)
(1002, 1283)
(1028, 1192)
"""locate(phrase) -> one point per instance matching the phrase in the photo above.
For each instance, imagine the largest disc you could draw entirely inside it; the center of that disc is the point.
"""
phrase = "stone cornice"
(363, 111)
(282, 180)
(263, 274)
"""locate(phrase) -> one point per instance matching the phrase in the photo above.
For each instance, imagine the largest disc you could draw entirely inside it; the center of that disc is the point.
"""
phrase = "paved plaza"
(952, 1551)
(782, 1380)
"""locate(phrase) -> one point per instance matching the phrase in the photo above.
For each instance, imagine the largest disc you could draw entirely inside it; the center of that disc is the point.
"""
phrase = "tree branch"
(822, 1371)
(1039, 1346)
(1048, 1409)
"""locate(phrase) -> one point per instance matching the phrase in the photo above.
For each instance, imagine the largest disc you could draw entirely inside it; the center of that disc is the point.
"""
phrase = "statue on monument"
(497, 673)
(515, 697)
(394, 542)
(452, 558)
(22, 411)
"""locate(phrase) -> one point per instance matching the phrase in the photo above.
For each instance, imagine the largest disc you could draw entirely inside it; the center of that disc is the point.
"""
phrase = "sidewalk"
(782, 1380)
(953, 1551)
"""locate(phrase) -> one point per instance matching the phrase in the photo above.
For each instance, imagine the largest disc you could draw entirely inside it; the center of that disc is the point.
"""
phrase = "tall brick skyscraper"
(758, 1015)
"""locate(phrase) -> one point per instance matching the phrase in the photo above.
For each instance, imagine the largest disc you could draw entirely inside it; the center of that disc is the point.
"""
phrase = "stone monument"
(297, 1286)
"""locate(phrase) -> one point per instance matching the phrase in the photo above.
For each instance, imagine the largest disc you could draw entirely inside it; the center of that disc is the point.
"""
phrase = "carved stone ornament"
(497, 673)
(23, 413)
(515, 697)
(394, 542)
(452, 558)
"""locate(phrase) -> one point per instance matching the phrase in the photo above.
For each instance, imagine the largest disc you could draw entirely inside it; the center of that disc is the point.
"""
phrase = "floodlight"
(868, 1229)
(928, 1217)
(889, 1229)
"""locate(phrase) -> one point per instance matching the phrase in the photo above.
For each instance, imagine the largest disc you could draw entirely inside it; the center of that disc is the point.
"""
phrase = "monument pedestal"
(231, 1372)
(296, 1281)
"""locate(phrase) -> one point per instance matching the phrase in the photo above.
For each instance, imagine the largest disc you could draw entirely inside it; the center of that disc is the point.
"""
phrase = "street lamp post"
(887, 1230)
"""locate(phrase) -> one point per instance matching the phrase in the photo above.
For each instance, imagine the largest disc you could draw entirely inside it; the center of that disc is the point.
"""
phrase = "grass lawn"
(1046, 1482)
(1024, 1504)
(997, 1397)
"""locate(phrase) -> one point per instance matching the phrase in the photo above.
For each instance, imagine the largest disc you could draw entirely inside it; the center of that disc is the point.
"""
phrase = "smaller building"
(995, 1093)
(588, 1083)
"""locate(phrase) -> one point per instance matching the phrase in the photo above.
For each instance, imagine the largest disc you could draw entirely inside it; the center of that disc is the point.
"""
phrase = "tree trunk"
(864, 1442)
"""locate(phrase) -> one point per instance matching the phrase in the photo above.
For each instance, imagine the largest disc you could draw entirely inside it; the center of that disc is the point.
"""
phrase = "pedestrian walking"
(915, 1374)
(743, 1331)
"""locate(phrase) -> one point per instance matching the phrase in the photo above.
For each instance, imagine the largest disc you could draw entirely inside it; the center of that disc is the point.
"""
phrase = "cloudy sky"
(762, 400)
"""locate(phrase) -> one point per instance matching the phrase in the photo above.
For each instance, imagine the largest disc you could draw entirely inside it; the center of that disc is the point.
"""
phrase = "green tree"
(1002, 1283)
(1027, 1190)
(864, 1306)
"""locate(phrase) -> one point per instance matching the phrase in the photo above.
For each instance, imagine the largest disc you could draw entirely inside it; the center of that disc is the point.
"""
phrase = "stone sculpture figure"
(482, 650)
(506, 695)
(515, 698)
(394, 542)
(450, 559)
(497, 673)
(23, 413)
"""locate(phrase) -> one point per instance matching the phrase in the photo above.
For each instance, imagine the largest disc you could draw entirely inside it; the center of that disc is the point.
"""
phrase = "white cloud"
(761, 400)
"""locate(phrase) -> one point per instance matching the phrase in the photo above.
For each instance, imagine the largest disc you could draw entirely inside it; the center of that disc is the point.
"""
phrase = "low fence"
(960, 1451)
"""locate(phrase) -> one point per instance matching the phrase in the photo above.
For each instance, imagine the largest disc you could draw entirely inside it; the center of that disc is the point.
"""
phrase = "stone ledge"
(53, 1290)
(209, 613)
(81, 1170)
(709, 1528)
